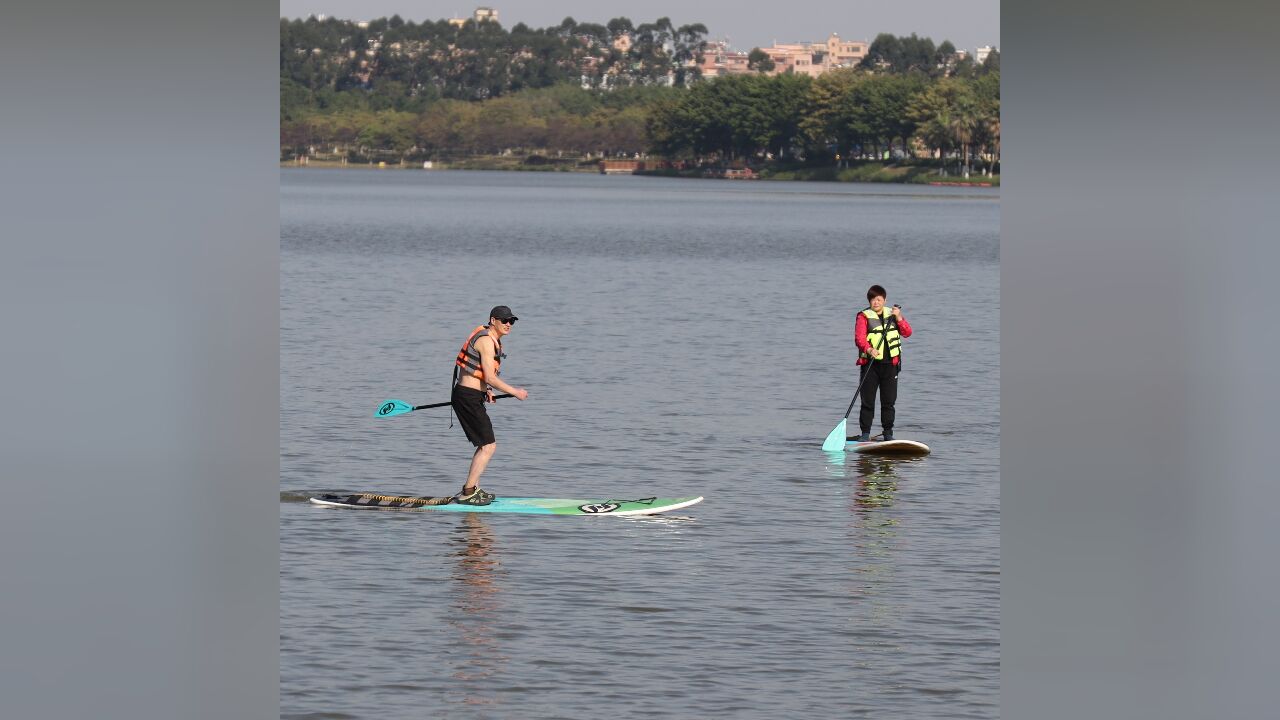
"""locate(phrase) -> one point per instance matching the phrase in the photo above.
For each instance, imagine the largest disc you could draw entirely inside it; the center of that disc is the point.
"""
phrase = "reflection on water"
(673, 522)
(835, 462)
(874, 530)
(877, 481)
(476, 603)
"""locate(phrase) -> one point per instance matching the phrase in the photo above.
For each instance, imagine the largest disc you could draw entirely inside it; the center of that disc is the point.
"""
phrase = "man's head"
(875, 297)
(502, 318)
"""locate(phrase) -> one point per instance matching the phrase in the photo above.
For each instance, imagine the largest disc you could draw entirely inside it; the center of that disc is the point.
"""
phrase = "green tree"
(947, 118)
(931, 112)
(889, 98)
(295, 100)
(964, 125)
(826, 128)
(690, 44)
(387, 95)
(885, 51)
(902, 54)
(964, 68)
(389, 131)
(786, 101)
(694, 124)
(759, 61)
(918, 54)
(598, 33)
(986, 92)
(620, 26)
(991, 131)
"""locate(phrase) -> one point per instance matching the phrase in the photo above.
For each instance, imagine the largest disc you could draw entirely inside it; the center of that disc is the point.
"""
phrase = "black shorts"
(469, 405)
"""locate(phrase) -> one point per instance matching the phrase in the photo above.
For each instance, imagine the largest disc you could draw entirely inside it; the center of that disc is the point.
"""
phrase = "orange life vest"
(468, 361)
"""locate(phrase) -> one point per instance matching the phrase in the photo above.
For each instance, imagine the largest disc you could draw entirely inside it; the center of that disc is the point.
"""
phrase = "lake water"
(677, 337)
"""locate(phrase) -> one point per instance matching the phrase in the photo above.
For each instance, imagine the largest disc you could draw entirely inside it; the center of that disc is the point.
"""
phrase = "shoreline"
(865, 172)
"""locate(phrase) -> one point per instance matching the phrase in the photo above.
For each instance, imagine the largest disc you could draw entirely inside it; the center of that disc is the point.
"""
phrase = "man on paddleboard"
(877, 332)
(475, 375)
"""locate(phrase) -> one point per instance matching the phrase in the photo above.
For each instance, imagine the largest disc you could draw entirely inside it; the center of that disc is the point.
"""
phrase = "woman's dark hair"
(875, 291)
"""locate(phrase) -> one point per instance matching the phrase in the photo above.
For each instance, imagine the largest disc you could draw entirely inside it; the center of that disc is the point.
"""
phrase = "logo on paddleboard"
(386, 408)
(599, 508)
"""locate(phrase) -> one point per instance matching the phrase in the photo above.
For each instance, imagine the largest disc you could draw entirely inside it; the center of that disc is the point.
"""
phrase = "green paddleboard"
(525, 505)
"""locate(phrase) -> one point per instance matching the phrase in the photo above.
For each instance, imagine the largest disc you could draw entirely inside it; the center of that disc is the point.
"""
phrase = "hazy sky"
(745, 23)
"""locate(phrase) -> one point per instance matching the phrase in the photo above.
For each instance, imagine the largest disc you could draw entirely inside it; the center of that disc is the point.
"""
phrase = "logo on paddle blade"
(599, 508)
(386, 409)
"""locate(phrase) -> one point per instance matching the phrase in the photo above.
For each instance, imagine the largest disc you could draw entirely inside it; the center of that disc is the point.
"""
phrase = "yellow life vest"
(880, 332)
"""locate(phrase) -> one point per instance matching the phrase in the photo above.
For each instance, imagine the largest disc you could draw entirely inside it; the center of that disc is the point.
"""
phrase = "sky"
(968, 24)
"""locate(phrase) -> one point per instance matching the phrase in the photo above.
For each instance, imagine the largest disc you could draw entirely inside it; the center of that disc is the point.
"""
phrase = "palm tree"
(963, 126)
(936, 133)
(932, 111)
(992, 124)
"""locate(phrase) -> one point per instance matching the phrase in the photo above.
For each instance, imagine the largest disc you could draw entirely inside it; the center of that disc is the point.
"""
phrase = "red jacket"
(860, 336)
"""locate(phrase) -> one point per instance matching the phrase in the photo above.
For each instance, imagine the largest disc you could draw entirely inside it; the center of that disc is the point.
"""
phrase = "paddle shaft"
(859, 390)
(436, 405)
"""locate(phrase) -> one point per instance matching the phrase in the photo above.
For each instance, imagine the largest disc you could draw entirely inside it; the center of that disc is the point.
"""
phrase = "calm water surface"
(677, 337)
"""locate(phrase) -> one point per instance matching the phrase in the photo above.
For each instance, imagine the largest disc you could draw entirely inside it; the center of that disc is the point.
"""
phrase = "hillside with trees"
(393, 64)
(396, 91)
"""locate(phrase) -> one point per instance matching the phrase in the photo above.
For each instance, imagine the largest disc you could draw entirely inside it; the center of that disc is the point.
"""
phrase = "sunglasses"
(509, 321)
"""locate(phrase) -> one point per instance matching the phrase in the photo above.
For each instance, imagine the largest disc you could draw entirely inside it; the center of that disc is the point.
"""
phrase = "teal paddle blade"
(392, 407)
(836, 439)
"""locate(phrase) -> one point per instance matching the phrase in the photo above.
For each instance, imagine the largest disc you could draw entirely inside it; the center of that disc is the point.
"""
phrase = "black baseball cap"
(502, 312)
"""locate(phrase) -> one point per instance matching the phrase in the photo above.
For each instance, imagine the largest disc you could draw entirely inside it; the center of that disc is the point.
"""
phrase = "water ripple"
(677, 338)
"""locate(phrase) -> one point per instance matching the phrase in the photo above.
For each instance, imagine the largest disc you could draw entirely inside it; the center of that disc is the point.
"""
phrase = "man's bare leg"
(479, 461)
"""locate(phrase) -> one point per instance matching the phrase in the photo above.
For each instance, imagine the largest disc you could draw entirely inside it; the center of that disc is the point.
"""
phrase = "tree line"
(394, 64)
(561, 119)
(912, 54)
(839, 116)
(436, 89)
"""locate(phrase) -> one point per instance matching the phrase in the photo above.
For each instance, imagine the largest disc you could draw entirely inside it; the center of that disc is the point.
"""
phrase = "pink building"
(719, 60)
(813, 59)
(810, 59)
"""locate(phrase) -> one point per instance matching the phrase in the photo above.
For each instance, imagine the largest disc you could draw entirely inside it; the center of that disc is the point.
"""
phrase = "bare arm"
(490, 369)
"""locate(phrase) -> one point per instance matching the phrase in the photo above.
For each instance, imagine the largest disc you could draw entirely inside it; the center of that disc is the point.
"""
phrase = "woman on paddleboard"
(475, 375)
(877, 332)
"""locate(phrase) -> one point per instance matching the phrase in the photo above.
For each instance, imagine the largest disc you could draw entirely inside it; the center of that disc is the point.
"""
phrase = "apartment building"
(810, 58)
(718, 60)
(815, 58)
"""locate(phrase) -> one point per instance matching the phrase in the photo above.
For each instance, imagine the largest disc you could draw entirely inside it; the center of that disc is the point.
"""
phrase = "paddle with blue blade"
(391, 408)
(837, 438)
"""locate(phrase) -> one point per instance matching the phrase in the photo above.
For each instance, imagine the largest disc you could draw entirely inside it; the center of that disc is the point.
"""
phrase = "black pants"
(883, 377)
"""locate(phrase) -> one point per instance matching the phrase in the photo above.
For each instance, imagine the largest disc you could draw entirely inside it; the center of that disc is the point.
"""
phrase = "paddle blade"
(836, 439)
(392, 407)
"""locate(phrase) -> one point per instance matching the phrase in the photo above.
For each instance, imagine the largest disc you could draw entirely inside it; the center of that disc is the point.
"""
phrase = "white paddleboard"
(887, 447)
